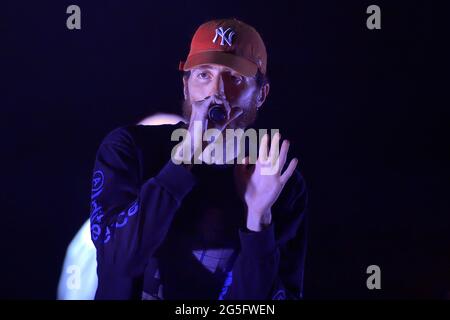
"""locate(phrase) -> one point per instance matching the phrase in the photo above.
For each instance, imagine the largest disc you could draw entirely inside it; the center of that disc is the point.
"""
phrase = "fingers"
(200, 108)
(274, 145)
(283, 154)
(199, 113)
(277, 157)
(289, 171)
(263, 148)
(234, 114)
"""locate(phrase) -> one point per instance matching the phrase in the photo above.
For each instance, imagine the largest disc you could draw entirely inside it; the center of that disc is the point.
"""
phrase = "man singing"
(195, 230)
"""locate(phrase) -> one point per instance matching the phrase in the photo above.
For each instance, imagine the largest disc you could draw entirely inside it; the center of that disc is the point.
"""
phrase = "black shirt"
(164, 232)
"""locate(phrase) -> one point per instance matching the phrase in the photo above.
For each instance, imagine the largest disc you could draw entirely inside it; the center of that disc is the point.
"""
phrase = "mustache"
(246, 119)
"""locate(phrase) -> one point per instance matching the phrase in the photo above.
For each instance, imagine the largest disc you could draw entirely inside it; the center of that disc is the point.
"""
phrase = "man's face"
(229, 87)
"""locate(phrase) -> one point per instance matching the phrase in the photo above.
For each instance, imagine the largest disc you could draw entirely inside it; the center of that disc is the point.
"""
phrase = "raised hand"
(259, 185)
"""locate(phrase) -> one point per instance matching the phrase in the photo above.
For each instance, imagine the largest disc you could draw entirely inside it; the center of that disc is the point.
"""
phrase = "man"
(170, 230)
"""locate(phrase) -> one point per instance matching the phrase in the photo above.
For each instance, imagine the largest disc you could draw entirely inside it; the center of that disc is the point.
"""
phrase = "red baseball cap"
(227, 42)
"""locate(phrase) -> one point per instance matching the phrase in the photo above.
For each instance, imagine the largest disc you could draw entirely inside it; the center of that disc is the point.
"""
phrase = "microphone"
(217, 113)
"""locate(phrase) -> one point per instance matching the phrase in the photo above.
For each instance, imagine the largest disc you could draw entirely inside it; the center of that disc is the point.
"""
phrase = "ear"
(185, 87)
(263, 93)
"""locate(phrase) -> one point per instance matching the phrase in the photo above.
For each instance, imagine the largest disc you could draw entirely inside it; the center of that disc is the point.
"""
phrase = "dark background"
(359, 106)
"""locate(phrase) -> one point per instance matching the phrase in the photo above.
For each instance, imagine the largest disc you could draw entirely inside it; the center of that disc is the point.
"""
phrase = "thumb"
(235, 113)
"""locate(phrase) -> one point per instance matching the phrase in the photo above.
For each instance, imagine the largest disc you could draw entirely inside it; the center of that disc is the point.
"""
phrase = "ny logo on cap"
(223, 34)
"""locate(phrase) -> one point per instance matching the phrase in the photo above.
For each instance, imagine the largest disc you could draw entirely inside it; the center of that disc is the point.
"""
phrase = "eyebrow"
(205, 66)
(209, 67)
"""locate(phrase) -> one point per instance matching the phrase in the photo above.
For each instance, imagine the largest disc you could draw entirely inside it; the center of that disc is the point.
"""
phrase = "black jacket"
(158, 227)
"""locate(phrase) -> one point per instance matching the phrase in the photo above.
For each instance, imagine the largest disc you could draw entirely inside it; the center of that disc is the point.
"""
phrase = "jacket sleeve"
(130, 217)
(271, 267)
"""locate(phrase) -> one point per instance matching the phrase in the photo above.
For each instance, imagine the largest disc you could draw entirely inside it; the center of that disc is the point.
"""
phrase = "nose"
(218, 88)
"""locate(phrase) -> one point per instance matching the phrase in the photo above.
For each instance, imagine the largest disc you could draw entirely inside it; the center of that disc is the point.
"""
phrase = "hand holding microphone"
(210, 112)
(214, 112)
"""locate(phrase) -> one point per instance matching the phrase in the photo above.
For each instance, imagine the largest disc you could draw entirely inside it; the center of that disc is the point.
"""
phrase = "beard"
(247, 118)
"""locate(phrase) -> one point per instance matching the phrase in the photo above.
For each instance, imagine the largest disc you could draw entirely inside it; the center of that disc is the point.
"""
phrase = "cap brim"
(241, 65)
